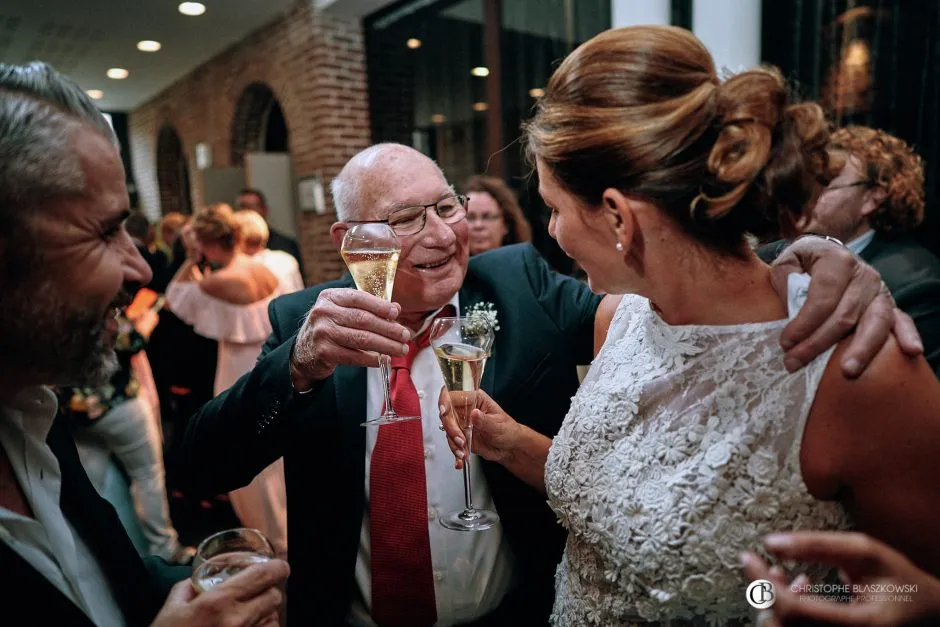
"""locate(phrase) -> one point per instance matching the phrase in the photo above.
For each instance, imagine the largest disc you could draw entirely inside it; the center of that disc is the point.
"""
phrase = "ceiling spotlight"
(95, 94)
(438, 118)
(480, 71)
(413, 43)
(537, 92)
(148, 45)
(192, 8)
(117, 73)
(480, 106)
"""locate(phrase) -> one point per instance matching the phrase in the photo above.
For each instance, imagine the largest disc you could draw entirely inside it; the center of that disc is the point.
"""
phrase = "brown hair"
(171, 223)
(892, 165)
(641, 109)
(518, 229)
(216, 224)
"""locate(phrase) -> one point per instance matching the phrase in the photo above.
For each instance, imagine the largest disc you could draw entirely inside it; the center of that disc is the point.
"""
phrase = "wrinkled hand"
(845, 294)
(494, 433)
(862, 561)
(345, 327)
(249, 599)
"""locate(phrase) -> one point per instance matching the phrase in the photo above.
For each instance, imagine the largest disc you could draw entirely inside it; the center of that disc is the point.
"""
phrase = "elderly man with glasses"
(364, 503)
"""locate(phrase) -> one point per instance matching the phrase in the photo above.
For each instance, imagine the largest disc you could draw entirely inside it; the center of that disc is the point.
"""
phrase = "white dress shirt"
(861, 242)
(48, 542)
(472, 570)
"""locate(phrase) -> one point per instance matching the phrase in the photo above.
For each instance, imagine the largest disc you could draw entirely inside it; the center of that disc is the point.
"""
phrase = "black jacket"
(546, 329)
(139, 586)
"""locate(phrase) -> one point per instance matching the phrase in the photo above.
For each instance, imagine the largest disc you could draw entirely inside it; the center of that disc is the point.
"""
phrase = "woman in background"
(494, 215)
(254, 243)
(117, 419)
(229, 303)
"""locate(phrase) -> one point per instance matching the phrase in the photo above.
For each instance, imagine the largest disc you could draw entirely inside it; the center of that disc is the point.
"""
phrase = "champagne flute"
(462, 346)
(371, 251)
(223, 555)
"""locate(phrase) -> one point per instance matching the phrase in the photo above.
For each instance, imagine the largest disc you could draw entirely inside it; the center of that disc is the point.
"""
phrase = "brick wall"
(314, 64)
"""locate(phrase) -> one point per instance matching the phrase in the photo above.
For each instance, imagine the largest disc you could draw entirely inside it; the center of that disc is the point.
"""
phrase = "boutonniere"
(485, 312)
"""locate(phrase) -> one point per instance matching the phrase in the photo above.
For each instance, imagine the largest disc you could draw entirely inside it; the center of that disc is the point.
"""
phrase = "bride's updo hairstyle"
(641, 109)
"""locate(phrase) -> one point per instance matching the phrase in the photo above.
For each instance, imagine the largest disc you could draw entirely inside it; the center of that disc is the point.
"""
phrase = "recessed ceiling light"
(413, 43)
(148, 45)
(117, 73)
(95, 94)
(480, 71)
(438, 118)
(192, 8)
(480, 106)
(537, 92)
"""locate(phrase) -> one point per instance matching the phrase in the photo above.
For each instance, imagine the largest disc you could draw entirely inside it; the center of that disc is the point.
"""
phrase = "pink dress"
(241, 331)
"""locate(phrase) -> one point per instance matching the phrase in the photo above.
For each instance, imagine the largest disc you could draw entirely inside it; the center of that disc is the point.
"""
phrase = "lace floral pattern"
(681, 449)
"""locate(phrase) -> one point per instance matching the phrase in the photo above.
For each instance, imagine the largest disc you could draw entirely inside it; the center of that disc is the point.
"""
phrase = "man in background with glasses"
(316, 382)
(875, 205)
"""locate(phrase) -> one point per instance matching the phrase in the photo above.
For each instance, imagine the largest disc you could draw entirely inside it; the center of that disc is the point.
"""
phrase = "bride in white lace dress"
(689, 439)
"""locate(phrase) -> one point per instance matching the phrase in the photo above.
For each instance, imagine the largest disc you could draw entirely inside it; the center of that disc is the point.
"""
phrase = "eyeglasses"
(485, 217)
(832, 188)
(411, 220)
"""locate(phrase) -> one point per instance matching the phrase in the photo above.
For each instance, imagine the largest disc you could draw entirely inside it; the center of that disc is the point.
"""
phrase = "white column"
(637, 12)
(730, 29)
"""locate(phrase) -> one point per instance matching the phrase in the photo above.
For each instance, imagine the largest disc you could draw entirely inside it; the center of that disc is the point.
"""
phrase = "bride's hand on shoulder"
(495, 432)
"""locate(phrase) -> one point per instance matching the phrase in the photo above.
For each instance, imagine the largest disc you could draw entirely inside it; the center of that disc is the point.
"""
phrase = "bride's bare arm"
(603, 318)
(496, 436)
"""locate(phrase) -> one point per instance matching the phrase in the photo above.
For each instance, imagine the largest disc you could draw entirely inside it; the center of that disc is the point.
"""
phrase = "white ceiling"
(83, 38)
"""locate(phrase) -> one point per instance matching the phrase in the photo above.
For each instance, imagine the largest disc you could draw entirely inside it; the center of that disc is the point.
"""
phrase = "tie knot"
(420, 342)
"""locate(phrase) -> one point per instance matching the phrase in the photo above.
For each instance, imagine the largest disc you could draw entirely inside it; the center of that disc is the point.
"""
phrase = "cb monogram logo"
(760, 594)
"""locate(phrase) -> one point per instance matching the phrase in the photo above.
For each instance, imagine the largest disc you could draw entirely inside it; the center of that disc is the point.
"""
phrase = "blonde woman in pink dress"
(228, 302)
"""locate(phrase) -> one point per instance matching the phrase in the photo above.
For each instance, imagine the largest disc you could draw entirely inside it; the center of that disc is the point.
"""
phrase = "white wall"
(639, 12)
(730, 29)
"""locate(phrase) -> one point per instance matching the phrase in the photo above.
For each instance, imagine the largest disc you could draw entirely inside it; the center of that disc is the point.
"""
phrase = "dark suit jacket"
(140, 587)
(912, 274)
(546, 329)
(279, 241)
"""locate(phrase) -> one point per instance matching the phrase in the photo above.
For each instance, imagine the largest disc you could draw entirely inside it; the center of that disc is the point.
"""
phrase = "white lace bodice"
(681, 449)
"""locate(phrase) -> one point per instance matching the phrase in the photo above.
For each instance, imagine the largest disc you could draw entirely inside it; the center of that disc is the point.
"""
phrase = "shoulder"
(894, 397)
(498, 258)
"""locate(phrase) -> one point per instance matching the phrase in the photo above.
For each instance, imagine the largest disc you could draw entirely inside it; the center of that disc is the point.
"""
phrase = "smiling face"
(486, 221)
(583, 234)
(60, 320)
(433, 262)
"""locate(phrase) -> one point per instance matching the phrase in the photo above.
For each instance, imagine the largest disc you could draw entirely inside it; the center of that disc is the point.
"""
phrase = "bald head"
(365, 187)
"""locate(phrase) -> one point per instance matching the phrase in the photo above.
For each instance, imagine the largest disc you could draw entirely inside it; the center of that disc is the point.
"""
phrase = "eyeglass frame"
(861, 183)
(463, 201)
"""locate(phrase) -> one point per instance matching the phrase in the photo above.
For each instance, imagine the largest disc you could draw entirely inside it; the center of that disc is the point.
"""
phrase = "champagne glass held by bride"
(462, 346)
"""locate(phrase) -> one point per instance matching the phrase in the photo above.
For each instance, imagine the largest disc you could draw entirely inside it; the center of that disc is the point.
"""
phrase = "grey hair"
(347, 187)
(39, 110)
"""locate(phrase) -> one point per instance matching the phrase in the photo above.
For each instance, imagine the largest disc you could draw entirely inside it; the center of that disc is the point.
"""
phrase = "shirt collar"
(859, 244)
(453, 302)
(34, 408)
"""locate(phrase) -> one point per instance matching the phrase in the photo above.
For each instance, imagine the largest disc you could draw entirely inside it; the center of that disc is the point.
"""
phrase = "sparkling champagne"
(373, 270)
(222, 567)
(462, 366)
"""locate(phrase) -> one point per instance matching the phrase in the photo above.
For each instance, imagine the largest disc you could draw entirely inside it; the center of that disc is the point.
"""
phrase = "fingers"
(455, 437)
(354, 299)
(255, 580)
(906, 334)
(182, 592)
(855, 553)
(872, 333)
(258, 609)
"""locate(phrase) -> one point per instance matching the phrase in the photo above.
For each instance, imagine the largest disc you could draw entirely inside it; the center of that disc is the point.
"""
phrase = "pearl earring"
(619, 247)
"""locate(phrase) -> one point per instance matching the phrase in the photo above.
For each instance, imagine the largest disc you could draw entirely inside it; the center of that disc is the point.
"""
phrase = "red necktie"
(402, 577)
